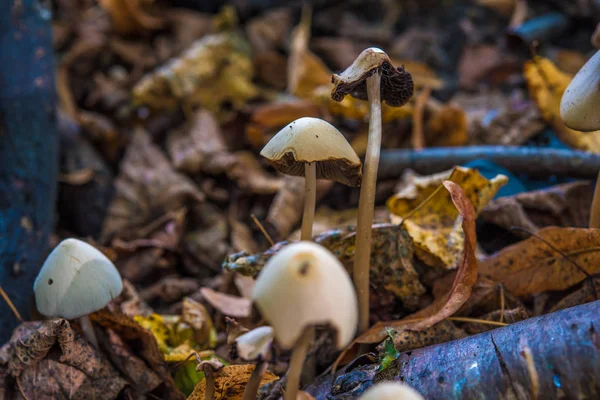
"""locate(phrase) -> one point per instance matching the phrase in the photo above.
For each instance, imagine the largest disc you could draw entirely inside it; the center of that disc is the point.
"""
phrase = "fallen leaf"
(169, 289)
(230, 383)
(447, 127)
(147, 186)
(216, 69)
(269, 31)
(130, 16)
(199, 146)
(447, 304)
(441, 332)
(586, 294)
(251, 176)
(546, 85)
(566, 205)
(288, 205)
(392, 271)
(531, 266)
(509, 316)
(74, 367)
(226, 304)
(435, 226)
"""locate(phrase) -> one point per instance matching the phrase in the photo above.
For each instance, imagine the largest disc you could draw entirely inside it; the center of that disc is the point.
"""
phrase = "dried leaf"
(566, 205)
(216, 69)
(251, 177)
(231, 306)
(287, 206)
(129, 16)
(147, 186)
(441, 332)
(71, 371)
(199, 146)
(446, 305)
(508, 316)
(546, 86)
(392, 270)
(447, 127)
(230, 383)
(169, 289)
(435, 227)
(531, 266)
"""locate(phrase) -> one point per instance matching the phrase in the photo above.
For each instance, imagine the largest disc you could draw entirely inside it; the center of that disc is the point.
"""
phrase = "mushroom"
(580, 110)
(371, 77)
(76, 280)
(209, 367)
(316, 149)
(301, 286)
(255, 345)
(391, 391)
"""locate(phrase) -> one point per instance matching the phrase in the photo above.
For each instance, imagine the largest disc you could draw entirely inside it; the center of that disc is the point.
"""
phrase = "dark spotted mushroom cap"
(396, 83)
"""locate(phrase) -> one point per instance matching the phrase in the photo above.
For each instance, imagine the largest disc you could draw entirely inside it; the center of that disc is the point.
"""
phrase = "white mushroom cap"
(580, 104)
(308, 140)
(75, 280)
(302, 285)
(255, 343)
(391, 391)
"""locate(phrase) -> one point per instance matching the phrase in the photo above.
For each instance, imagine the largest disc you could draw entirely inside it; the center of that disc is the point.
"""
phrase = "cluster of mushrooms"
(304, 284)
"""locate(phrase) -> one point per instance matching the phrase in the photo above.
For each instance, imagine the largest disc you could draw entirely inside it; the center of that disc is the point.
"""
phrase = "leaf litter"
(166, 110)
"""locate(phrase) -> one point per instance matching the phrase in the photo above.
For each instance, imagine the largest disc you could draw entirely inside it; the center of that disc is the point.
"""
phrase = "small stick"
(262, 229)
(418, 136)
(501, 302)
(533, 375)
(11, 305)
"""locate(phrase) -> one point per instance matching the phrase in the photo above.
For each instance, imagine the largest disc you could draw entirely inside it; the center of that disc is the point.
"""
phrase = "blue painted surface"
(28, 150)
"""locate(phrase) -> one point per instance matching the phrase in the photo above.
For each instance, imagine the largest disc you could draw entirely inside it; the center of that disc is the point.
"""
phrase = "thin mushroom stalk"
(366, 203)
(209, 375)
(254, 383)
(310, 199)
(296, 363)
(88, 330)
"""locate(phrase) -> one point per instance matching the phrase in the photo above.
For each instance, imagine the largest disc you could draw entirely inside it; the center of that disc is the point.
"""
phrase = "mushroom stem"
(595, 210)
(209, 393)
(296, 363)
(366, 203)
(310, 199)
(255, 379)
(88, 330)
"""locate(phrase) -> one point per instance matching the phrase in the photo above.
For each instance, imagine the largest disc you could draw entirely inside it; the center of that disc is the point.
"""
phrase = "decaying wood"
(564, 347)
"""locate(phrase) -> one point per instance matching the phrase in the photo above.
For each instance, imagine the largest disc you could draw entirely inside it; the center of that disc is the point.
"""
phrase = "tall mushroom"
(316, 149)
(391, 391)
(301, 286)
(371, 77)
(76, 280)
(255, 345)
(580, 110)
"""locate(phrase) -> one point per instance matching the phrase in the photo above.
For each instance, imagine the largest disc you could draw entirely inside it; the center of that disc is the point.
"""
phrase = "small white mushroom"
(315, 149)
(580, 104)
(76, 280)
(255, 345)
(391, 391)
(301, 286)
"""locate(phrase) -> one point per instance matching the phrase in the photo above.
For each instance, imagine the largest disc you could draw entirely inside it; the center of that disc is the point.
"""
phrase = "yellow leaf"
(180, 336)
(230, 383)
(435, 226)
(546, 85)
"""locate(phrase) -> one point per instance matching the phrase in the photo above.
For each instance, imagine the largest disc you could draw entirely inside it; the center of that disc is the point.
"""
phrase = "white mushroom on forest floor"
(316, 149)
(371, 77)
(391, 391)
(580, 110)
(301, 286)
(255, 346)
(76, 280)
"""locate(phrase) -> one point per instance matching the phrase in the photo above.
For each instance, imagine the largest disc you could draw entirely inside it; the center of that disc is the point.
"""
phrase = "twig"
(566, 257)
(533, 375)
(501, 302)
(11, 305)
(418, 136)
(262, 229)
(533, 161)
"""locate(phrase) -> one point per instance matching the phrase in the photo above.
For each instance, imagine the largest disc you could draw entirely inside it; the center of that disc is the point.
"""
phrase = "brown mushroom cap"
(308, 140)
(396, 83)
